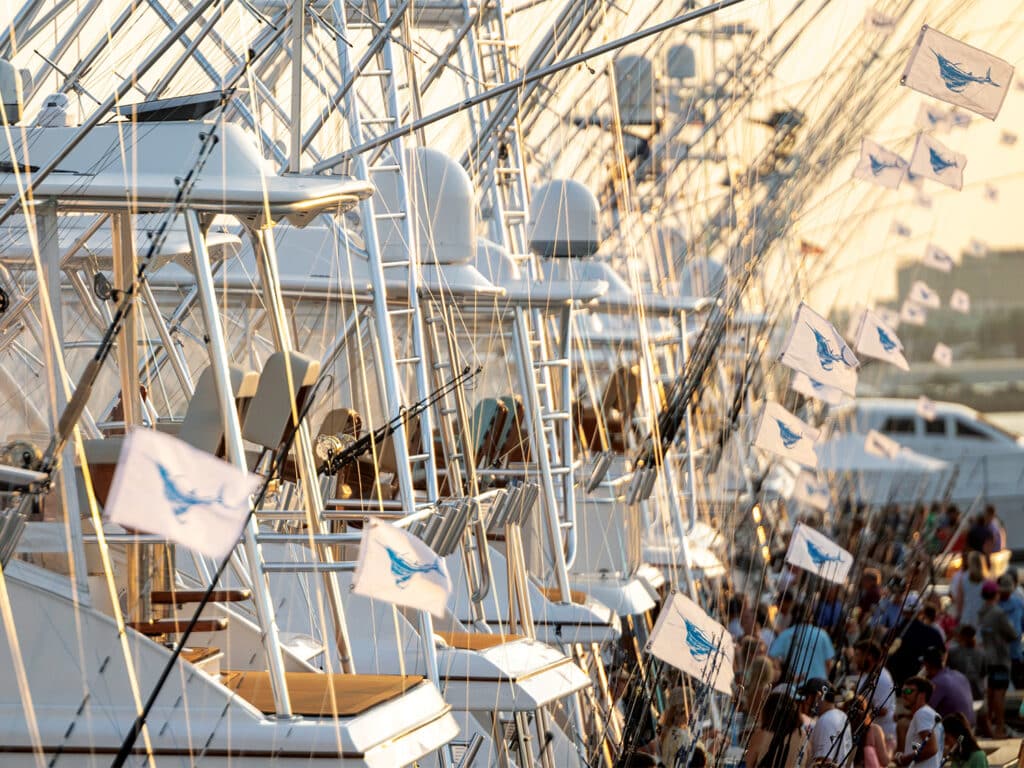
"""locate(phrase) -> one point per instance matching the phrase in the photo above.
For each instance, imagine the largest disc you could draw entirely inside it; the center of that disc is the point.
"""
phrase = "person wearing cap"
(996, 634)
(875, 682)
(921, 746)
(831, 738)
(914, 636)
(1012, 604)
(952, 691)
(814, 653)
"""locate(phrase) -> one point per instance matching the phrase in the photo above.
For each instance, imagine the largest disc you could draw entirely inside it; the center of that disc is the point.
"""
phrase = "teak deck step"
(475, 641)
(181, 596)
(168, 626)
(311, 696)
(554, 595)
(199, 655)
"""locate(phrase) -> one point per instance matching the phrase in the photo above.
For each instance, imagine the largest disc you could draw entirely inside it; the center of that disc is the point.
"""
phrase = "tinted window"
(937, 427)
(963, 429)
(899, 425)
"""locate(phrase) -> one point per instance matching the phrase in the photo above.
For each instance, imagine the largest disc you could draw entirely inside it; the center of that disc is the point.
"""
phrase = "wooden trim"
(168, 626)
(182, 596)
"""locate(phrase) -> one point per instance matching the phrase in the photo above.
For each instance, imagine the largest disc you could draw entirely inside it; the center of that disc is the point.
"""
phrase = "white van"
(989, 459)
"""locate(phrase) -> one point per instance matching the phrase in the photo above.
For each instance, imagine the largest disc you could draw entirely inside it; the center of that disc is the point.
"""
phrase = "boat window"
(936, 427)
(899, 425)
(963, 429)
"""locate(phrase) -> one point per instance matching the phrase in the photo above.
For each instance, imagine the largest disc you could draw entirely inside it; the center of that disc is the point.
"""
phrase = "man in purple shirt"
(952, 690)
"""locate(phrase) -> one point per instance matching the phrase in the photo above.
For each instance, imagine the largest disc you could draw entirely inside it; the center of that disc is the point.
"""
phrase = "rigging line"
(527, 77)
(278, 460)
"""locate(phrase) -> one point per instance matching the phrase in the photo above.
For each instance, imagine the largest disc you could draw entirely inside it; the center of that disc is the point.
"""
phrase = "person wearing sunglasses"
(921, 746)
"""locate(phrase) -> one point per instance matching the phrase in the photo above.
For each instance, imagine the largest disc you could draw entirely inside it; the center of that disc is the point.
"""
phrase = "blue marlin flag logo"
(182, 501)
(956, 79)
(888, 344)
(826, 357)
(938, 162)
(402, 570)
(820, 558)
(789, 437)
(878, 166)
(698, 642)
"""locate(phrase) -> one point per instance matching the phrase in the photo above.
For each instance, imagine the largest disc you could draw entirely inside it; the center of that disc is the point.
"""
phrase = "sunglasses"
(909, 691)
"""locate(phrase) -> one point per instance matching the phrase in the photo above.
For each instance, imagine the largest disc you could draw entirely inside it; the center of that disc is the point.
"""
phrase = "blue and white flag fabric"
(818, 554)
(812, 492)
(879, 165)
(960, 301)
(978, 248)
(878, 22)
(691, 641)
(785, 435)
(920, 293)
(1008, 138)
(959, 119)
(397, 567)
(942, 355)
(937, 258)
(913, 314)
(934, 160)
(991, 193)
(957, 73)
(813, 346)
(876, 339)
(164, 486)
(933, 118)
(926, 409)
(878, 444)
(808, 387)
(923, 200)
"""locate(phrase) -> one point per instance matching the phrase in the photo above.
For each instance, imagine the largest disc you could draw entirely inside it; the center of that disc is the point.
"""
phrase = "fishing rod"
(276, 465)
(336, 452)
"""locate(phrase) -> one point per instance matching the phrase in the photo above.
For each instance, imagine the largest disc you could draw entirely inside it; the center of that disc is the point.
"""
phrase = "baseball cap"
(989, 588)
(817, 685)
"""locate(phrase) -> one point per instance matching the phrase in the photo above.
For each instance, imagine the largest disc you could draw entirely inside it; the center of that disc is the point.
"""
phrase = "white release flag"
(934, 160)
(878, 444)
(933, 118)
(960, 301)
(167, 487)
(978, 248)
(876, 339)
(782, 433)
(957, 73)
(397, 567)
(814, 347)
(808, 387)
(991, 193)
(922, 294)
(1008, 138)
(936, 258)
(890, 317)
(901, 229)
(926, 408)
(817, 553)
(913, 314)
(811, 491)
(690, 640)
(879, 165)
(942, 355)
(922, 200)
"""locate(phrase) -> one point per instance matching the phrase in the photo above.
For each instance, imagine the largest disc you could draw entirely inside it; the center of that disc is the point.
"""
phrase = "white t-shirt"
(924, 720)
(884, 697)
(831, 728)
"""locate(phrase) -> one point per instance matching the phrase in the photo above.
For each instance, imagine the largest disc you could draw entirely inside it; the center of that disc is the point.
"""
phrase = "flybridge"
(118, 167)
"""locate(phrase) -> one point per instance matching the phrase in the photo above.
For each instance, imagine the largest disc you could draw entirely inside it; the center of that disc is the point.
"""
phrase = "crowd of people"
(900, 668)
